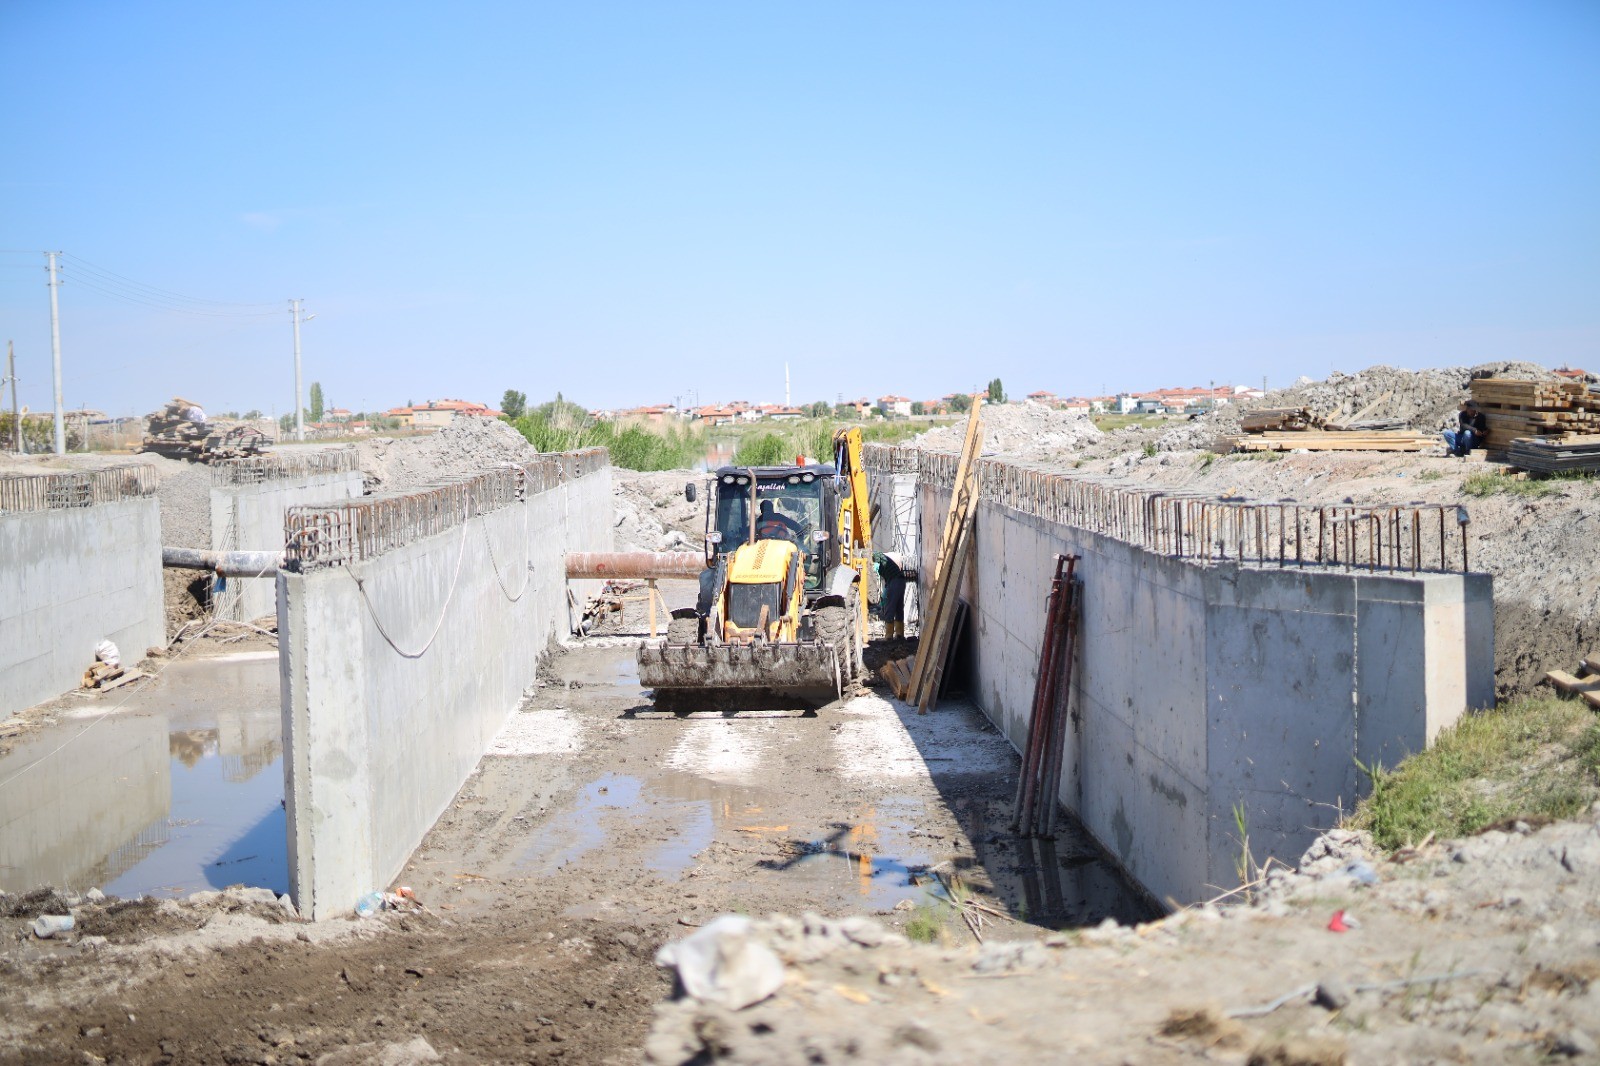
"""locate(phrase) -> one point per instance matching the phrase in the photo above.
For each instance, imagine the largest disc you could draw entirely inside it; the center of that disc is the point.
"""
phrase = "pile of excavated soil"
(465, 447)
(1025, 430)
(1423, 399)
(1479, 950)
(652, 514)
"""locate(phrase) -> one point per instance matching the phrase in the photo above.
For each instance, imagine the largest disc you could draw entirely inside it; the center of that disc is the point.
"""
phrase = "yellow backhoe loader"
(782, 609)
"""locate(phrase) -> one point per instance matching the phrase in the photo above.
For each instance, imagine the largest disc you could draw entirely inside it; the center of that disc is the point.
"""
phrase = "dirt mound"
(652, 514)
(465, 447)
(1424, 399)
(1267, 980)
(1020, 431)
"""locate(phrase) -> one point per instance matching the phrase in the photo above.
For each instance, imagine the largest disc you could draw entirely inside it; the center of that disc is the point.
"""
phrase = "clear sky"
(634, 202)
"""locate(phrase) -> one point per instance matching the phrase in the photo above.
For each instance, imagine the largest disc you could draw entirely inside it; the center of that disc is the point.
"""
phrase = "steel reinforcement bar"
(282, 466)
(49, 492)
(1205, 529)
(334, 534)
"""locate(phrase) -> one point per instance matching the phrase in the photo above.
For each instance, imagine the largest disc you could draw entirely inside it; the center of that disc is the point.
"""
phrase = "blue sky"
(634, 202)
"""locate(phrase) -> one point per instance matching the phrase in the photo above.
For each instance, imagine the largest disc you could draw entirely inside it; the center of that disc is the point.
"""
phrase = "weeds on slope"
(813, 438)
(562, 427)
(1532, 758)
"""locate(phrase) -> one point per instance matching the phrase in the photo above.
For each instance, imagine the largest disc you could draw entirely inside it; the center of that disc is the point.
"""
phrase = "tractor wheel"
(683, 631)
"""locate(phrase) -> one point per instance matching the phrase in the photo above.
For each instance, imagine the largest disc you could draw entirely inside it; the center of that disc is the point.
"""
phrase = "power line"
(95, 285)
(112, 278)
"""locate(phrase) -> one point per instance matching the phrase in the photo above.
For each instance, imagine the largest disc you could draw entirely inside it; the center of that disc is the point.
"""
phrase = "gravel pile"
(1424, 399)
(1021, 431)
(465, 447)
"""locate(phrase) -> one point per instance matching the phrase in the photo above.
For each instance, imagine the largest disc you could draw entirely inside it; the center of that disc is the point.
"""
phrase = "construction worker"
(1472, 428)
(892, 605)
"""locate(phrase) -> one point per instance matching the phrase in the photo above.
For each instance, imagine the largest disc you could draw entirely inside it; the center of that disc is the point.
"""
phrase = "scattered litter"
(1360, 871)
(1341, 923)
(48, 925)
(724, 964)
(369, 904)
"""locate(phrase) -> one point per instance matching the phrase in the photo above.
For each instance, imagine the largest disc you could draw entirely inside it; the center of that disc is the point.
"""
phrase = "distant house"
(436, 414)
(1044, 396)
(338, 414)
(781, 413)
(895, 405)
(654, 414)
(1571, 373)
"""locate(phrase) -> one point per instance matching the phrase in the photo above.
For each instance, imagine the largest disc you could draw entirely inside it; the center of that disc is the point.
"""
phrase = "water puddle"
(181, 789)
(619, 807)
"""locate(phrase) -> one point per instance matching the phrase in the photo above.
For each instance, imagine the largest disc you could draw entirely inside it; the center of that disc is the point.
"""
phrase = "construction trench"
(439, 726)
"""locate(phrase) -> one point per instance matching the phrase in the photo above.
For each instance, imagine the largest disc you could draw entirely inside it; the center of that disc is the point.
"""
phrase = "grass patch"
(1532, 758)
(1496, 483)
(1149, 451)
(1112, 423)
(926, 924)
(1430, 475)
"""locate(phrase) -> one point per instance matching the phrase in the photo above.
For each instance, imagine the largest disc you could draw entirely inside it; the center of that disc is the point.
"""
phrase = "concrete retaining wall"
(1197, 688)
(381, 730)
(68, 579)
(250, 518)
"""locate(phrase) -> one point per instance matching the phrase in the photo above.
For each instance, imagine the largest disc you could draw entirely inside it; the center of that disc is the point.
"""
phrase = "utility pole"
(16, 412)
(786, 385)
(299, 417)
(55, 350)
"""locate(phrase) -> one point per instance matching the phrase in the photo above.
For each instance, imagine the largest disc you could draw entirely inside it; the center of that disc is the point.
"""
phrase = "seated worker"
(772, 523)
(1472, 428)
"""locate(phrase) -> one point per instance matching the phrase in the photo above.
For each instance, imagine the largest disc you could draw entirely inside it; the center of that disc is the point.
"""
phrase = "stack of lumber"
(1517, 408)
(1586, 686)
(1338, 441)
(1556, 455)
(920, 680)
(110, 675)
(1272, 418)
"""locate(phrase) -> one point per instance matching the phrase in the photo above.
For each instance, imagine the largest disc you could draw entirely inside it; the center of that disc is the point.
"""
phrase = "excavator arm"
(855, 519)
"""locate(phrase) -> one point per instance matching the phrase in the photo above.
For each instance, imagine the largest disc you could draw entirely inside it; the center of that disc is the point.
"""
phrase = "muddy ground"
(596, 829)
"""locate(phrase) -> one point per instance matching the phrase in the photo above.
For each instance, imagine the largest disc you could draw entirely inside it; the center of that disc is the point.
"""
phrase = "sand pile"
(1424, 399)
(1021, 431)
(465, 447)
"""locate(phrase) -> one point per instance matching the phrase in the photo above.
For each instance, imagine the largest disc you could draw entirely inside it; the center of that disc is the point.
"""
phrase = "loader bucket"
(812, 669)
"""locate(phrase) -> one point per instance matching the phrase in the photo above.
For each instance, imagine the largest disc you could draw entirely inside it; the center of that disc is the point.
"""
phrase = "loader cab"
(799, 504)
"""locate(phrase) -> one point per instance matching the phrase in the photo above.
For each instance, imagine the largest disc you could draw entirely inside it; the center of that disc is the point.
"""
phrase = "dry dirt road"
(595, 830)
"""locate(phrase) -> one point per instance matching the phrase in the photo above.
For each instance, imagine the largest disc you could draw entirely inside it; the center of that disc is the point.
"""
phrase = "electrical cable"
(443, 611)
(94, 285)
(527, 570)
(113, 278)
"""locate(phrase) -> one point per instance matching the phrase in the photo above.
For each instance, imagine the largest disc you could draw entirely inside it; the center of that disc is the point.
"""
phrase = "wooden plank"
(1572, 685)
(928, 698)
(934, 641)
(1591, 663)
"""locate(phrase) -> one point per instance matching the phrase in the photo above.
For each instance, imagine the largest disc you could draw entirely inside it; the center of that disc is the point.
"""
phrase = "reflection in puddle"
(617, 802)
(179, 790)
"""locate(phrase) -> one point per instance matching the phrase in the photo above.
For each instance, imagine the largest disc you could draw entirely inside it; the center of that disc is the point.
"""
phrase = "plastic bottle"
(369, 904)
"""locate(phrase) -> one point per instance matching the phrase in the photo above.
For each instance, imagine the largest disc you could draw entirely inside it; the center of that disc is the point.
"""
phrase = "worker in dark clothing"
(892, 607)
(1472, 428)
